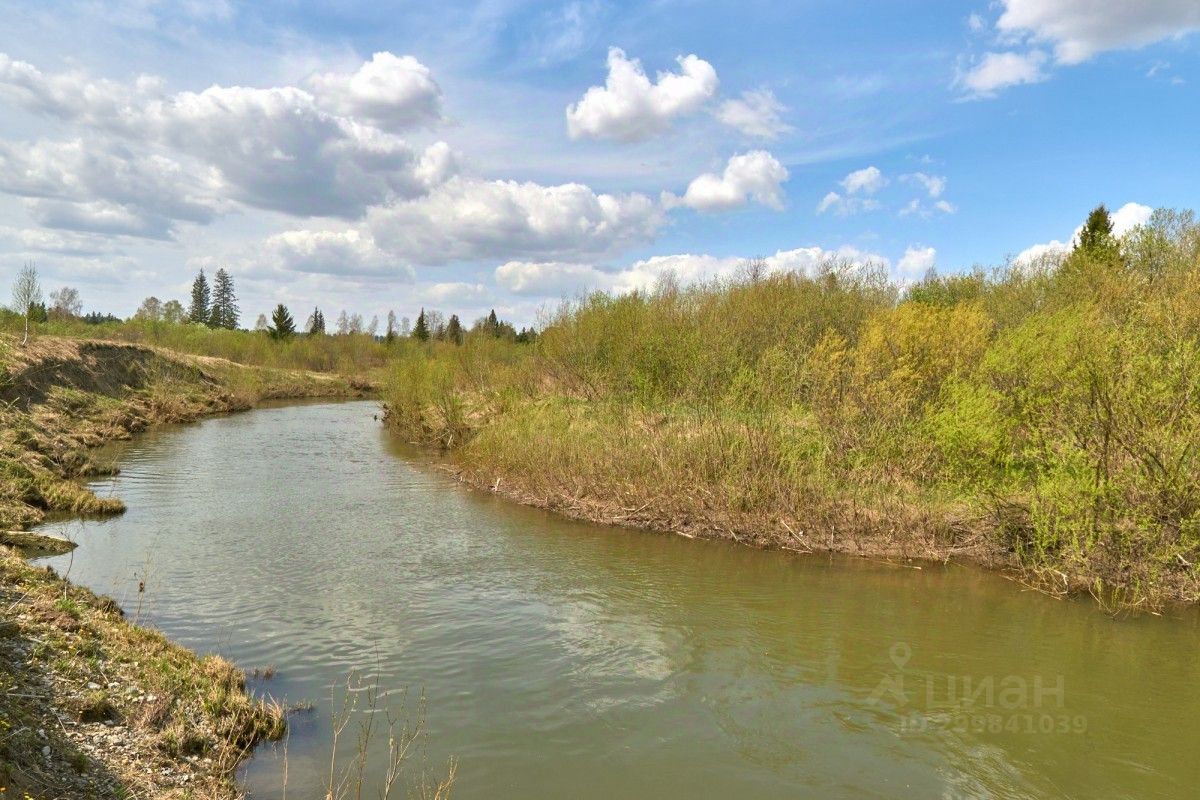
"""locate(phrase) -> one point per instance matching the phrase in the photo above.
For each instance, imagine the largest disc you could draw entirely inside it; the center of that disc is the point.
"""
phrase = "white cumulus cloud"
(348, 252)
(1078, 29)
(846, 206)
(1128, 217)
(754, 175)
(915, 263)
(468, 219)
(277, 148)
(1038, 252)
(394, 92)
(558, 278)
(629, 107)
(934, 185)
(549, 278)
(104, 187)
(1074, 31)
(756, 113)
(868, 180)
(996, 71)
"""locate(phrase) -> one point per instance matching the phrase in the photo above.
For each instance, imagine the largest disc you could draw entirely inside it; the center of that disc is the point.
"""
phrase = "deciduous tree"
(151, 310)
(65, 303)
(27, 294)
(172, 312)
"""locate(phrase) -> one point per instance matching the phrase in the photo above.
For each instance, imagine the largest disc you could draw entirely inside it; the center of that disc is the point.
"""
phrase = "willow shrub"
(1080, 430)
(1055, 403)
(689, 345)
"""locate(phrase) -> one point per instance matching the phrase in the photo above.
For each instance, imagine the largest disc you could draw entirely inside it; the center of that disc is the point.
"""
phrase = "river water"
(560, 659)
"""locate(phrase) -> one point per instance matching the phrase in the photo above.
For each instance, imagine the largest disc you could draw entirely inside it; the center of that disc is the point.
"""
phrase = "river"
(561, 659)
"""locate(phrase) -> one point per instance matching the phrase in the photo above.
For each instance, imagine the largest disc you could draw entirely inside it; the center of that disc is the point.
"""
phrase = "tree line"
(216, 306)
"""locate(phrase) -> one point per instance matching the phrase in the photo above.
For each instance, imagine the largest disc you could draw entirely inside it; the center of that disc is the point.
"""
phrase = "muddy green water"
(569, 660)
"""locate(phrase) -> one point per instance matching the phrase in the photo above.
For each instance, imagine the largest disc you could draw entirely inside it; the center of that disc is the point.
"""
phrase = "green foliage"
(421, 329)
(1056, 404)
(97, 318)
(282, 324)
(1097, 232)
(949, 290)
(200, 309)
(316, 323)
(224, 312)
(354, 354)
(493, 326)
(454, 330)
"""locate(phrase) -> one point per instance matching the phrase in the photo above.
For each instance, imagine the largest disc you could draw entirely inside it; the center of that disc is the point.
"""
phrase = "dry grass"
(1043, 417)
(95, 706)
(61, 397)
(405, 768)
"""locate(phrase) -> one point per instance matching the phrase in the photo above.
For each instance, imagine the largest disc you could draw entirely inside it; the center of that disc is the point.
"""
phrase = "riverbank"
(61, 397)
(1040, 417)
(92, 704)
(621, 467)
(754, 480)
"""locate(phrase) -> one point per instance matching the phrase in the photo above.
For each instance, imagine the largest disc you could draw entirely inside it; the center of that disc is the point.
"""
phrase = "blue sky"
(507, 154)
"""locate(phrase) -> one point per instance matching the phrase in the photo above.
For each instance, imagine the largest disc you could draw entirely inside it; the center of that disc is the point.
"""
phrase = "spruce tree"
(454, 330)
(316, 323)
(225, 311)
(1097, 233)
(198, 311)
(421, 329)
(282, 324)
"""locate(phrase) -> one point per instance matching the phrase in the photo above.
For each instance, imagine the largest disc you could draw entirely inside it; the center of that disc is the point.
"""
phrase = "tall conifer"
(198, 311)
(421, 329)
(225, 311)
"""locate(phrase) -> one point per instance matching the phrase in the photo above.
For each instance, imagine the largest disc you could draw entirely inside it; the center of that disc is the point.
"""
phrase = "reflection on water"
(562, 659)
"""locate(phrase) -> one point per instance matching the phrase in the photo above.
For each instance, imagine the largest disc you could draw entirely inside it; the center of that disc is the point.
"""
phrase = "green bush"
(1056, 404)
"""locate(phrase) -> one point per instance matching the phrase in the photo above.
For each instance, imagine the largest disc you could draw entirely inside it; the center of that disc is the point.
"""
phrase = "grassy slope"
(72, 663)
(60, 397)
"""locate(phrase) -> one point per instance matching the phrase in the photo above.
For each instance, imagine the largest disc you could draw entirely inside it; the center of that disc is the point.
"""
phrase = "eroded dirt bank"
(92, 704)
